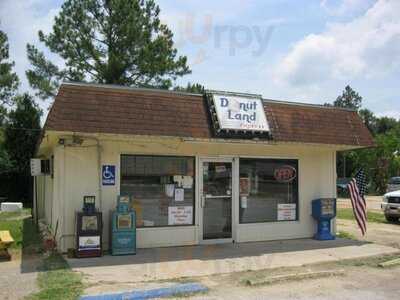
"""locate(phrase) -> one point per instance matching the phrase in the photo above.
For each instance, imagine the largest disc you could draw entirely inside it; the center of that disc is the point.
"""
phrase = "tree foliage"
(381, 162)
(5, 161)
(8, 87)
(21, 133)
(349, 99)
(196, 88)
(369, 119)
(8, 79)
(107, 41)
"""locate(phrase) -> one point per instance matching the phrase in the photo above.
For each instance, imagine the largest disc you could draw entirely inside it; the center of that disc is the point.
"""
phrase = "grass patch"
(10, 215)
(369, 261)
(15, 222)
(58, 281)
(187, 295)
(345, 235)
(347, 214)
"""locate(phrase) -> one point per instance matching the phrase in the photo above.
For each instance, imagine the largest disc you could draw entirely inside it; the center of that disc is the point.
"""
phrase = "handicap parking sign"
(108, 175)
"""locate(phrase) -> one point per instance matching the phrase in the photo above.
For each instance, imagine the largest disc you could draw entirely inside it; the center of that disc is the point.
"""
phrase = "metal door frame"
(201, 199)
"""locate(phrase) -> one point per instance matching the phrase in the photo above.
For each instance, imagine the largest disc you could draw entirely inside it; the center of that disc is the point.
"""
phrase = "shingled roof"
(88, 108)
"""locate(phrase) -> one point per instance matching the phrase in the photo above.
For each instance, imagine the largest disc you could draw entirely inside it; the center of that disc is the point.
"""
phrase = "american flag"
(357, 188)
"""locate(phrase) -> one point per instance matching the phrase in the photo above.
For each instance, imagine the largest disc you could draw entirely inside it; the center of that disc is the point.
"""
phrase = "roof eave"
(122, 137)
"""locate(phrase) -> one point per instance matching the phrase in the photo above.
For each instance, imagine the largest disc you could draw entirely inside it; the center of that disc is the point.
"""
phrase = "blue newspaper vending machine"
(123, 228)
(323, 211)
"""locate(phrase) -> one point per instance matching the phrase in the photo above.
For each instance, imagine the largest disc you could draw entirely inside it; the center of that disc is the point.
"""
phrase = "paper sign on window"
(179, 195)
(287, 212)
(180, 215)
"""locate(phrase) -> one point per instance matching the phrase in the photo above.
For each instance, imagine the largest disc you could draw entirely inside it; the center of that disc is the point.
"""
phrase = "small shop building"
(200, 168)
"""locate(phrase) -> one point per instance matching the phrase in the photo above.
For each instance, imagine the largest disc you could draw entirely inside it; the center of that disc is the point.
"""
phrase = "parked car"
(341, 185)
(393, 184)
(391, 206)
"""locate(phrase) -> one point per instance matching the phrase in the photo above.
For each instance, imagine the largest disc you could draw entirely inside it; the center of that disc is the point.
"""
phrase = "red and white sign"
(287, 212)
(285, 174)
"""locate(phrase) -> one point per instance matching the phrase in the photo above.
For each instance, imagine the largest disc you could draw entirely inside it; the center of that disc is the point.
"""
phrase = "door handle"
(202, 199)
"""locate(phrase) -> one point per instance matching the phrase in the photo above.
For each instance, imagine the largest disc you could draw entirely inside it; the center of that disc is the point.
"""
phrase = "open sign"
(285, 174)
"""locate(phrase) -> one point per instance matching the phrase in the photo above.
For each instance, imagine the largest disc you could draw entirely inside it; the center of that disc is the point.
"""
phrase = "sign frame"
(254, 113)
(36, 167)
(243, 107)
(281, 173)
(108, 174)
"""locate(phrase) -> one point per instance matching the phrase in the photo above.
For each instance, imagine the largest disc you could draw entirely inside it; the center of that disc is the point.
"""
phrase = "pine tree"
(107, 41)
(21, 133)
(196, 88)
(8, 79)
(349, 99)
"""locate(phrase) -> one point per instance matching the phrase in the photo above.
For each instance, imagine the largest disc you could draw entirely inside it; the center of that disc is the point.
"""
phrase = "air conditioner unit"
(40, 167)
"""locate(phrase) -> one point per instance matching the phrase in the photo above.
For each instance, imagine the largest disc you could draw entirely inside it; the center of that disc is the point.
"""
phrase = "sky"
(295, 50)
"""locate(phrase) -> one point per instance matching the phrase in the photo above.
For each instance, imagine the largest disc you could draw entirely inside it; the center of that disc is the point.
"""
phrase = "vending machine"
(323, 211)
(89, 228)
(123, 228)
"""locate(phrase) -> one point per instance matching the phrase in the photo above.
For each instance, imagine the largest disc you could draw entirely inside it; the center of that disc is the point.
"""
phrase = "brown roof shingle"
(107, 109)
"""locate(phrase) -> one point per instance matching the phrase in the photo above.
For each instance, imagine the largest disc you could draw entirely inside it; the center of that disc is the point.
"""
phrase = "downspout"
(334, 191)
(35, 209)
(63, 195)
(99, 171)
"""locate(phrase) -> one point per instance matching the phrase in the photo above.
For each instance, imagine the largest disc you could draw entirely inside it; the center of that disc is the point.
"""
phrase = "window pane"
(268, 190)
(162, 188)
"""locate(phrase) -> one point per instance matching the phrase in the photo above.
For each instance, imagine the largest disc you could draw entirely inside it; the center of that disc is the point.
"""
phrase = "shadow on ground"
(31, 247)
(212, 252)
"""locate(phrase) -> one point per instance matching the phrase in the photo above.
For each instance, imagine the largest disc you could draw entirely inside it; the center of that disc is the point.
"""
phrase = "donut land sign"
(240, 113)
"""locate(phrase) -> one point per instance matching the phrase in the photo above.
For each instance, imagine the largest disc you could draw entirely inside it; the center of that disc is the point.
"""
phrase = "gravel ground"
(376, 284)
(380, 233)
(18, 277)
(359, 282)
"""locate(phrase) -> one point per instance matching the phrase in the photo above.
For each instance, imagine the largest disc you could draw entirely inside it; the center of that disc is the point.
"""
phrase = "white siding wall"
(48, 198)
(40, 196)
(78, 178)
(76, 175)
(44, 193)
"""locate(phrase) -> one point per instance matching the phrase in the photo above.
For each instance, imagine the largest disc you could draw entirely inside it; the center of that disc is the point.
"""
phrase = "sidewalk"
(178, 262)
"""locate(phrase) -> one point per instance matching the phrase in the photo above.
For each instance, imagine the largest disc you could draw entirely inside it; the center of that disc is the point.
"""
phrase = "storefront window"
(162, 188)
(268, 190)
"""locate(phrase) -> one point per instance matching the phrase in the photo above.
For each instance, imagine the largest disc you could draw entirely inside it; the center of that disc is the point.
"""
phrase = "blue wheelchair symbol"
(108, 175)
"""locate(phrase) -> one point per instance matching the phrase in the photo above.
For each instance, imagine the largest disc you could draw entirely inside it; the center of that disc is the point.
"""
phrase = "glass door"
(216, 200)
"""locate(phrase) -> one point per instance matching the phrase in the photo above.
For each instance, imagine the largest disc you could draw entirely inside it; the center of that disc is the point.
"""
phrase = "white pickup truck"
(391, 206)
